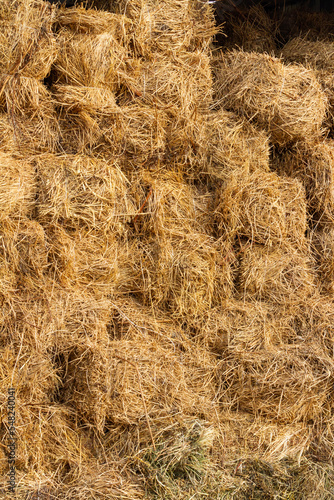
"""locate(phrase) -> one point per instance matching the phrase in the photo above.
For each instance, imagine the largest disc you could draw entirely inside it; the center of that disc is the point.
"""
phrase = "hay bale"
(23, 248)
(288, 385)
(82, 192)
(94, 22)
(313, 164)
(91, 61)
(286, 100)
(246, 325)
(110, 380)
(318, 55)
(278, 275)
(83, 258)
(253, 32)
(17, 187)
(168, 26)
(31, 113)
(28, 45)
(7, 138)
(322, 244)
(262, 208)
(234, 144)
(91, 122)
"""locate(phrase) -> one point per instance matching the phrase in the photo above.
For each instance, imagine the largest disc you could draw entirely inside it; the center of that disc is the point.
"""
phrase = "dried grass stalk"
(27, 43)
(262, 208)
(82, 192)
(313, 164)
(169, 26)
(286, 100)
(278, 275)
(17, 186)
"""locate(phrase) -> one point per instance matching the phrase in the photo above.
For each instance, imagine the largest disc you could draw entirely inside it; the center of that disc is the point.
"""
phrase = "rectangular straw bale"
(235, 144)
(251, 206)
(7, 137)
(94, 22)
(318, 55)
(91, 60)
(169, 26)
(322, 244)
(191, 277)
(262, 438)
(122, 385)
(28, 44)
(185, 275)
(31, 113)
(169, 203)
(83, 258)
(29, 371)
(23, 248)
(287, 385)
(245, 325)
(18, 186)
(275, 275)
(313, 164)
(182, 83)
(82, 192)
(84, 112)
(286, 100)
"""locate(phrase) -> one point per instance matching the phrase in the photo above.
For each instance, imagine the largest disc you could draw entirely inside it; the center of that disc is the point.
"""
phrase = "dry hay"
(318, 55)
(246, 325)
(182, 84)
(80, 191)
(287, 100)
(94, 22)
(109, 379)
(27, 43)
(7, 139)
(184, 275)
(56, 457)
(17, 186)
(322, 244)
(261, 207)
(91, 122)
(313, 164)
(289, 384)
(169, 26)
(166, 204)
(23, 251)
(254, 32)
(83, 258)
(83, 113)
(247, 436)
(275, 275)
(93, 61)
(234, 144)
(31, 113)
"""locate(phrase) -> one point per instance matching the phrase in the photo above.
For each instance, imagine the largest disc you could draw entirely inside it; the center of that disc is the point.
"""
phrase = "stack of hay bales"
(166, 251)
